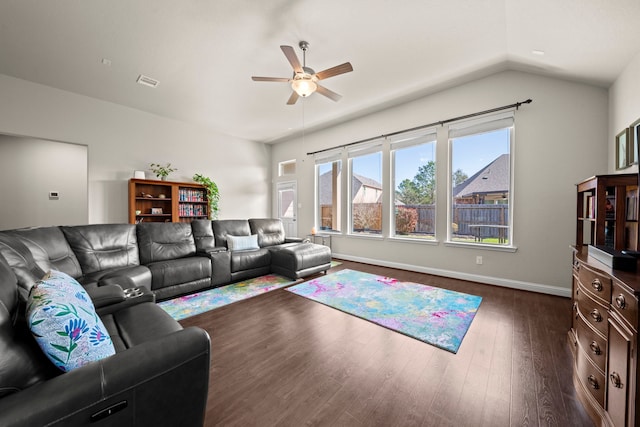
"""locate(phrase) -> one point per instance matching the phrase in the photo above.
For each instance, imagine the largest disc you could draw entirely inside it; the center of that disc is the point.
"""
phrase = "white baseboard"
(507, 283)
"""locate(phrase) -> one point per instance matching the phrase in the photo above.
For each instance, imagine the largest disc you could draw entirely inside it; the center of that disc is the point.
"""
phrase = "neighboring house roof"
(493, 178)
(358, 182)
(367, 182)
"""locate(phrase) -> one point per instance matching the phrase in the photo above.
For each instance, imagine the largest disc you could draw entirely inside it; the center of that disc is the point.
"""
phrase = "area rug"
(436, 316)
(190, 305)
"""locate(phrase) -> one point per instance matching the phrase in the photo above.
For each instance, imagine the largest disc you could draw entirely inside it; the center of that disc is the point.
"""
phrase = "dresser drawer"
(596, 283)
(592, 343)
(591, 377)
(593, 312)
(625, 304)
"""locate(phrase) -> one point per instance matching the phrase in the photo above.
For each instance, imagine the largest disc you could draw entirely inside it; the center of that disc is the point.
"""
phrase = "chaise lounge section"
(269, 251)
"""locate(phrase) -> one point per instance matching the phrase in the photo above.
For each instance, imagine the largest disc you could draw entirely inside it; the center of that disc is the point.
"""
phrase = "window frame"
(328, 158)
(361, 150)
(407, 140)
(480, 126)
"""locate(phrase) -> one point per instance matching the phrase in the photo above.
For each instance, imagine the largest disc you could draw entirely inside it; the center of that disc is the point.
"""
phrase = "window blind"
(481, 125)
(365, 148)
(408, 139)
(327, 156)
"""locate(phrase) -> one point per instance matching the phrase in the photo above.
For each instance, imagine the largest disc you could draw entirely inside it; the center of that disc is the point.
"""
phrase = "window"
(329, 194)
(481, 181)
(414, 182)
(366, 189)
(287, 168)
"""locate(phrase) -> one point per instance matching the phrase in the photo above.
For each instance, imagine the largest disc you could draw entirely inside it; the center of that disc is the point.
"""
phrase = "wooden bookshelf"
(607, 211)
(166, 201)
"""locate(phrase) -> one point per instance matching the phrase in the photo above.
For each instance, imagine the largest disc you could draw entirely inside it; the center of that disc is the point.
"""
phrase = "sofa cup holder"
(133, 292)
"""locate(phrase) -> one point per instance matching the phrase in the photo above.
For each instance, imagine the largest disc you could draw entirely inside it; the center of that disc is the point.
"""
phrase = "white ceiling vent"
(147, 81)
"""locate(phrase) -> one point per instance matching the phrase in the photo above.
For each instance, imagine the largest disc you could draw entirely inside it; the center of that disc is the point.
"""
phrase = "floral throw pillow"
(64, 322)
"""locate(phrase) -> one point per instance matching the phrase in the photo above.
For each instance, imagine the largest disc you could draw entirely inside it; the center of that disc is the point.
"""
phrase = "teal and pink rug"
(190, 305)
(436, 316)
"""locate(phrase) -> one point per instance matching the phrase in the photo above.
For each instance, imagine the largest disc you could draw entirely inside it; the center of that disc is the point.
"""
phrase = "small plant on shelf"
(161, 171)
(213, 195)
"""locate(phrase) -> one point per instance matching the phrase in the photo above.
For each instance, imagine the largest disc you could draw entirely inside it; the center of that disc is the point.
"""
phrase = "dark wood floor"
(281, 359)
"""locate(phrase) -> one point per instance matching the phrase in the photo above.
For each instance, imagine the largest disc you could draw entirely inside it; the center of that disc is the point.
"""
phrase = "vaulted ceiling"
(204, 52)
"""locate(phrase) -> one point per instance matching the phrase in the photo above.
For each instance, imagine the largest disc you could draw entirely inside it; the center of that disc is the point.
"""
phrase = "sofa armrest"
(161, 383)
(132, 296)
(106, 295)
(216, 250)
(294, 239)
(220, 267)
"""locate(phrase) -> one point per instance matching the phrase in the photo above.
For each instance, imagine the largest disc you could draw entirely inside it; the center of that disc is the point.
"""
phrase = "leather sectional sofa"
(159, 374)
(169, 259)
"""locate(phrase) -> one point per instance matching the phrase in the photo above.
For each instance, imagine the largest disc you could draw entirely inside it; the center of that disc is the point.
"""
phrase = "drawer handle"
(597, 285)
(615, 380)
(620, 301)
(595, 348)
(575, 310)
(596, 316)
(593, 382)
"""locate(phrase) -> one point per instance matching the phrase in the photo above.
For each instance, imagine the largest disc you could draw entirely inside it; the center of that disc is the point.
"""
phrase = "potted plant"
(213, 195)
(161, 171)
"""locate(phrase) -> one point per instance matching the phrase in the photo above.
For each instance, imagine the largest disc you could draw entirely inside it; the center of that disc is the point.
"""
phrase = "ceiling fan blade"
(269, 79)
(328, 93)
(293, 59)
(293, 98)
(334, 71)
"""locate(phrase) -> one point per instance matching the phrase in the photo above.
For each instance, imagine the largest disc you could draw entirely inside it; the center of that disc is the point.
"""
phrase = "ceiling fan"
(305, 81)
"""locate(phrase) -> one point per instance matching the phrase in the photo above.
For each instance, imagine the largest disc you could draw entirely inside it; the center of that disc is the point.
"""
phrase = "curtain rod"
(441, 123)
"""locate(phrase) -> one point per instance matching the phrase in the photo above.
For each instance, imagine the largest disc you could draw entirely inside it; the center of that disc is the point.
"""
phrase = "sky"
(470, 153)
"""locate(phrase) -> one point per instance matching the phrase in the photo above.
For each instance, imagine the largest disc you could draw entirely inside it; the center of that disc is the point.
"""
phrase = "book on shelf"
(191, 195)
(589, 206)
(187, 210)
(610, 207)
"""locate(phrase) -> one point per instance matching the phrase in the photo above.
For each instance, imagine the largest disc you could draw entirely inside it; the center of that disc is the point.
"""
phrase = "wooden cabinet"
(608, 211)
(621, 356)
(166, 201)
(604, 340)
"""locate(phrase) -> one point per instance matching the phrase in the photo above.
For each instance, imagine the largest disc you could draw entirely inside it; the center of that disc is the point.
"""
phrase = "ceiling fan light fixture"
(304, 85)
(305, 80)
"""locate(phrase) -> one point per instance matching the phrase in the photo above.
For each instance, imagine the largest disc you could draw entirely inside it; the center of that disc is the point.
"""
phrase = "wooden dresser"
(604, 340)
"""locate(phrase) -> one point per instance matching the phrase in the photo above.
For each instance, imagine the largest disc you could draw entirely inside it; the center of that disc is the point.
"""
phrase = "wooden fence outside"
(369, 216)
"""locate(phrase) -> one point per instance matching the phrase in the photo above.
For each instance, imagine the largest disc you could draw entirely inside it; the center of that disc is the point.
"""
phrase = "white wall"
(624, 108)
(560, 140)
(122, 140)
(30, 169)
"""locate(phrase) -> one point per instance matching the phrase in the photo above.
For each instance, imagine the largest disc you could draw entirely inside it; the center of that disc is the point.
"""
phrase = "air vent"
(147, 81)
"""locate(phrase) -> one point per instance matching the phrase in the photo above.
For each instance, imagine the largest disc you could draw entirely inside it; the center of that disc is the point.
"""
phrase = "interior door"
(288, 207)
